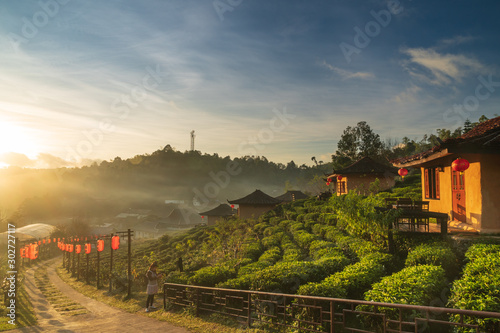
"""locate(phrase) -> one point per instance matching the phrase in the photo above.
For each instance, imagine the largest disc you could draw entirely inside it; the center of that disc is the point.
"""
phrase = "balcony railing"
(321, 314)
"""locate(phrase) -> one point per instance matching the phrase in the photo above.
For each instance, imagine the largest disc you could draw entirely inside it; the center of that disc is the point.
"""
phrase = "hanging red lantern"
(88, 247)
(71, 248)
(115, 242)
(232, 206)
(39, 242)
(54, 240)
(33, 251)
(460, 165)
(48, 241)
(78, 249)
(328, 180)
(339, 178)
(402, 172)
(100, 245)
(327, 183)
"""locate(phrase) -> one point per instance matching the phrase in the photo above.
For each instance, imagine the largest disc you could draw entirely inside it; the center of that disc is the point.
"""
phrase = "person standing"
(152, 286)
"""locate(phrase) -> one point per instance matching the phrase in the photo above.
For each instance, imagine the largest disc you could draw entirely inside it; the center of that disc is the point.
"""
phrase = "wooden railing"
(321, 314)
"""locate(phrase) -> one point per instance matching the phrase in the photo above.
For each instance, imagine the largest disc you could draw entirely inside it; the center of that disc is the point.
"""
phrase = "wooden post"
(390, 239)
(78, 269)
(98, 268)
(249, 313)
(111, 264)
(129, 271)
(87, 270)
(444, 226)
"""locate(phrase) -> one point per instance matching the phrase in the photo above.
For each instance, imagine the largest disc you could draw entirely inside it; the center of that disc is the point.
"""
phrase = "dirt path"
(98, 317)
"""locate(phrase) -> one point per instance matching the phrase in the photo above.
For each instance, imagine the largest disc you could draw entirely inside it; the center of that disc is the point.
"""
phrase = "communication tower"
(192, 140)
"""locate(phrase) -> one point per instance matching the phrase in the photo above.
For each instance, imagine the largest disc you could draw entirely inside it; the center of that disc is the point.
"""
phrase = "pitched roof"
(290, 196)
(221, 210)
(484, 138)
(256, 198)
(365, 165)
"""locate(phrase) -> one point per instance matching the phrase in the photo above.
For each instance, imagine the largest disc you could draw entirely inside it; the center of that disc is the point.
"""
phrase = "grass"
(24, 310)
(135, 304)
(61, 303)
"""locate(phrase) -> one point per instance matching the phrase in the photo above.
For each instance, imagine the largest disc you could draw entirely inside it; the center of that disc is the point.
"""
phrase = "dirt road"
(95, 316)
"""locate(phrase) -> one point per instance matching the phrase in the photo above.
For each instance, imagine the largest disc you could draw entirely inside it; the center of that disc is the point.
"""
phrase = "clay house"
(471, 196)
(359, 175)
(291, 196)
(254, 204)
(220, 212)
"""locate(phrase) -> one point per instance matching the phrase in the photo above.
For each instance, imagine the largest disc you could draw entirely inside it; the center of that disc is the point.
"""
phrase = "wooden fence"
(328, 315)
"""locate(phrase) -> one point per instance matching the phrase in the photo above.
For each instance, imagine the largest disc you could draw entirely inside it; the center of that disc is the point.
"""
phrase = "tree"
(355, 143)
(467, 125)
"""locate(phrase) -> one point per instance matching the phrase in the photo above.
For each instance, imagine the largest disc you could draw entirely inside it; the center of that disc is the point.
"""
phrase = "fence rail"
(328, 315)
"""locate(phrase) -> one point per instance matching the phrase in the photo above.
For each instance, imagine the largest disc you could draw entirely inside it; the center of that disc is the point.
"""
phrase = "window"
(341, 187)
(431, 183)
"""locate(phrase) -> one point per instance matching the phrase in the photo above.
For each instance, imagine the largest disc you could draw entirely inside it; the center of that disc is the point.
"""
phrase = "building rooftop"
(256, 198)
(221, 210)
(484, 138)
(366, 165)
(290, 196)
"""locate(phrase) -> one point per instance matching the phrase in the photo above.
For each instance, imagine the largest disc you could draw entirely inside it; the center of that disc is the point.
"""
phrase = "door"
(458, 196)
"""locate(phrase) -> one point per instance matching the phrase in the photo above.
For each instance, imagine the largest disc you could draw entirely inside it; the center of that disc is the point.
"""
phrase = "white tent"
(30, 232)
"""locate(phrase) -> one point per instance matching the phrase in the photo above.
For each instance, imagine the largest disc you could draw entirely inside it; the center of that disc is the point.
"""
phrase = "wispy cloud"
(346, 75)
(457, 40)
(440, 69)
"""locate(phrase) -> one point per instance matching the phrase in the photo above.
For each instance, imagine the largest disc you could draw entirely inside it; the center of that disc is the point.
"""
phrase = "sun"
(17, 139)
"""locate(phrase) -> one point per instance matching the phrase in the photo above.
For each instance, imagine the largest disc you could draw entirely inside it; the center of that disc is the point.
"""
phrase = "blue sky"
(83, 81)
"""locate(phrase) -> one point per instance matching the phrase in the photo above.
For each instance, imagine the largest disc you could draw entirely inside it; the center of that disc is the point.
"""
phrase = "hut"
(254, 204)
(359, 175)
(291, 196)
(220, 212)
(470, 196)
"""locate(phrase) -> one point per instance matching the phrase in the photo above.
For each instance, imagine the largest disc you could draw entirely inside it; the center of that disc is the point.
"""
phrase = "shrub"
(252, 250)
(416, 285)
(434, 254)
(353, 281)
(304, 239)
(480, 250)
(212, 275)
(286, 277)
(478, 289)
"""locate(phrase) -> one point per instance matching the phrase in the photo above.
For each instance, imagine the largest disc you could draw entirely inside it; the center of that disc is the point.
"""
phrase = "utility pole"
(192, 140)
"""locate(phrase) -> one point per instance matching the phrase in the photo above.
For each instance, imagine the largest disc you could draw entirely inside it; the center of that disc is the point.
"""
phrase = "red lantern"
(78, 249)
(115, 242)
(232, 206)
(403, 172)
(33, 252)
(88, 247)
(100, 245)
(48, 241)
(460, 165)
(202, 216)
(328, 184)
(39, 242)
(54, 240)
(339, 178)
(329, 180)
(71, 247)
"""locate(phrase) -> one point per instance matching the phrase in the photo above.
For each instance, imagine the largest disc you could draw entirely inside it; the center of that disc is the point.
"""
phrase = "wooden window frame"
(432, 183)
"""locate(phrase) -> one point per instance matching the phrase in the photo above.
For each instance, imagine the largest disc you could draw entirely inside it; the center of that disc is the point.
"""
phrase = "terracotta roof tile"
(486, 135)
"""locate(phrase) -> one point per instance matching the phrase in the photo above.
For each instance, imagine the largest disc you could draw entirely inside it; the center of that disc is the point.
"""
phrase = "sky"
(84, 81)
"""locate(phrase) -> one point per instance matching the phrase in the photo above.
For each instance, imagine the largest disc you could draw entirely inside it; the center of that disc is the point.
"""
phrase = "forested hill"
(146, 181)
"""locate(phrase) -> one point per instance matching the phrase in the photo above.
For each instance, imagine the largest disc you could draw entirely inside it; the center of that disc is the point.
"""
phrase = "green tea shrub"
(312, 216)
(286, 277)
(292, 254)
(353, 281)
(479, 287)
(304, 239)
(272, 240)
(434, 254)
(295, 226)
(480, 250)
(320, 244)
(416, 285)
(301, 217)
(252, 250)
(211, 275)
(241, 282)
